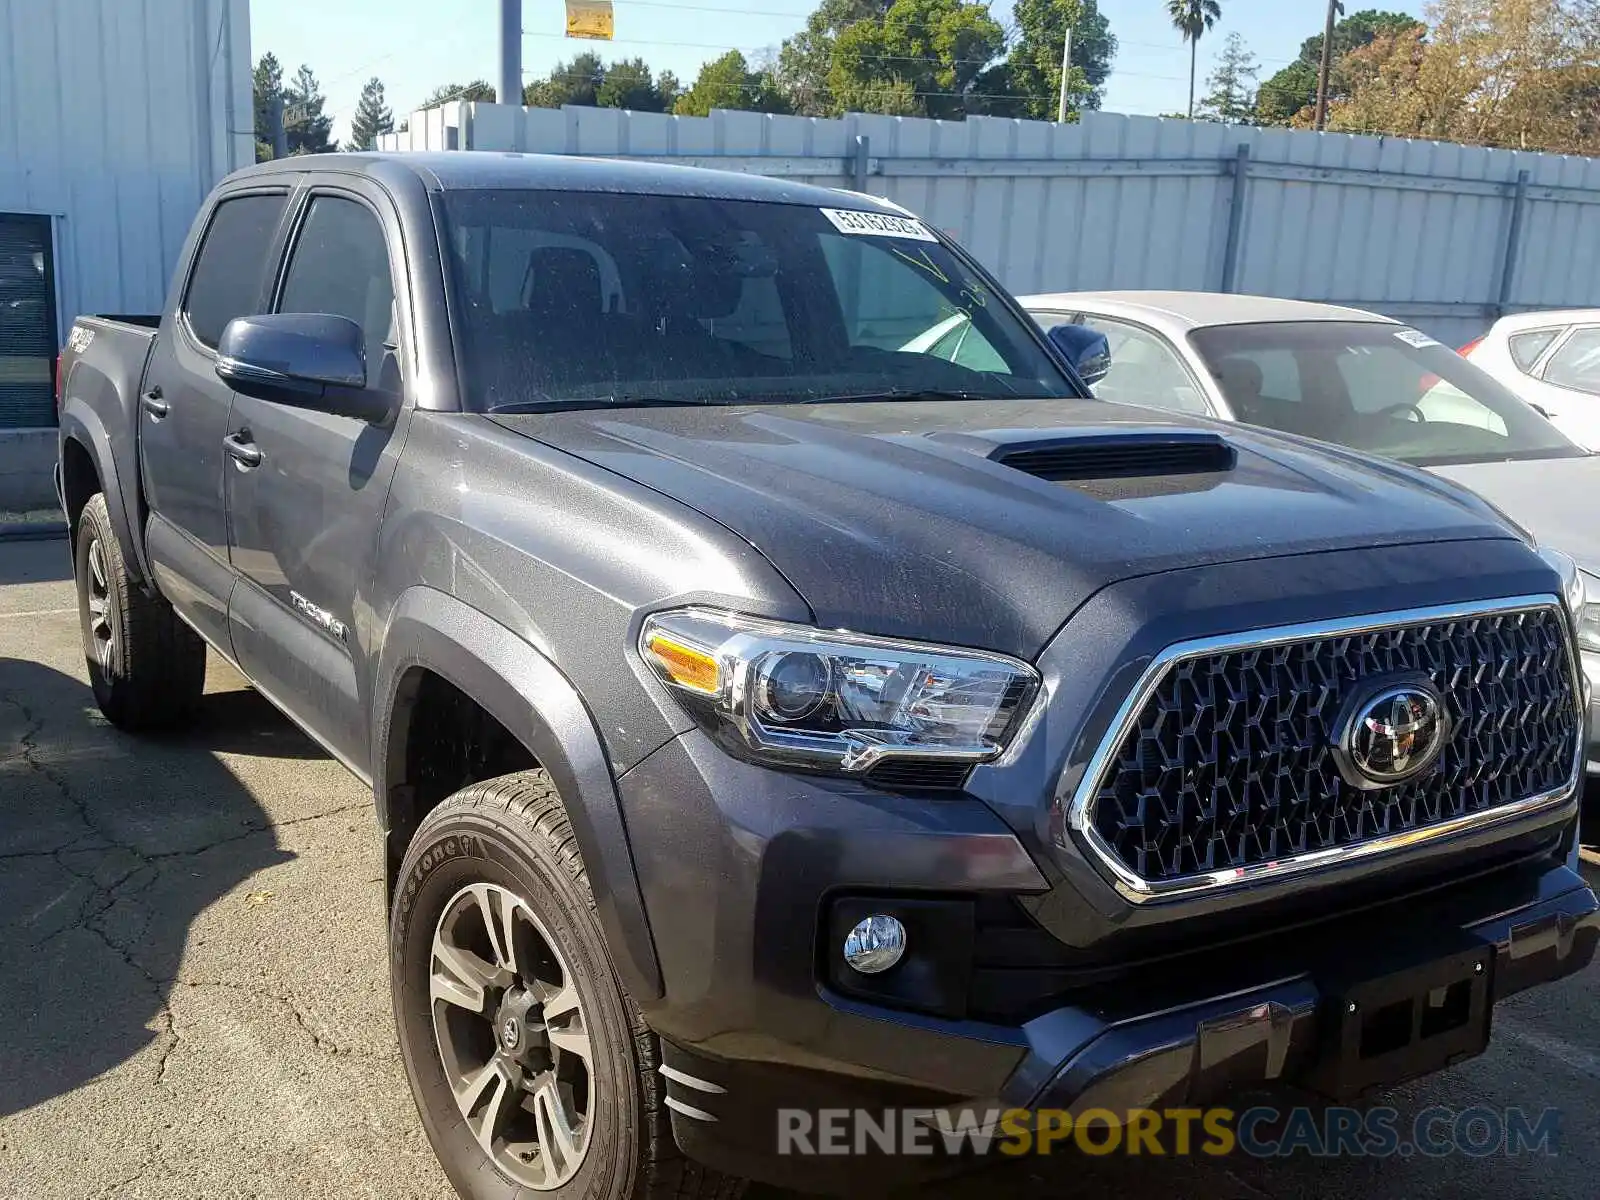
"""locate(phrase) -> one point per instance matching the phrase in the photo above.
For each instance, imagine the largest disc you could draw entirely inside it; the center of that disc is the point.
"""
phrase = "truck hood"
(898, 518)
(1549, 497)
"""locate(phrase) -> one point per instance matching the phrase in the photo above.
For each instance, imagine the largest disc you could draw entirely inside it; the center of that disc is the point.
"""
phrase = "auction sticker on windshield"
(849, 220)
(1415, 337)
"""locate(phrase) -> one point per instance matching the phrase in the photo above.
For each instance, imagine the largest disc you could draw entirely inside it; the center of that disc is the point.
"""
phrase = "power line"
(1164, 47)
(916, 58)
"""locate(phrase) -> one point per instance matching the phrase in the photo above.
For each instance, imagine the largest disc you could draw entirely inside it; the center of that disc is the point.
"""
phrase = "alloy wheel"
(102, 615)
(512, 1036)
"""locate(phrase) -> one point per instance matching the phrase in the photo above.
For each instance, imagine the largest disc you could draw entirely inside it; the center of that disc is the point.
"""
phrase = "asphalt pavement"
(194, 999)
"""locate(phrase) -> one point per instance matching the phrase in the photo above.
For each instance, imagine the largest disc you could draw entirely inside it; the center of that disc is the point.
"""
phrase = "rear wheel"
(532, 1069)
(146, 667)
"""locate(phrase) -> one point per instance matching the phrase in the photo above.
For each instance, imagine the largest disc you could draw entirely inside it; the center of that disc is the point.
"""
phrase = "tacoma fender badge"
(320, 617)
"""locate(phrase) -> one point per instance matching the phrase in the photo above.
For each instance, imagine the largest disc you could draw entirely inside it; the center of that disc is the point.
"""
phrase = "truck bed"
(102, 370)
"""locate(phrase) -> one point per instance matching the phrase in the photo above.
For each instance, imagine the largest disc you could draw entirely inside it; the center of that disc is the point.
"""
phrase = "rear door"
(1568, 385)
(183, 412)
(304, 514)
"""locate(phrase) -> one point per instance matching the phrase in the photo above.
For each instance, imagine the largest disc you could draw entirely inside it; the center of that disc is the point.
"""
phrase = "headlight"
(1581, 591)
(1587, 613)
(794, 695)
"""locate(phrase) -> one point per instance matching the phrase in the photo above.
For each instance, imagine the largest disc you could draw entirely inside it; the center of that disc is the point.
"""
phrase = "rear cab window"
(227, 277)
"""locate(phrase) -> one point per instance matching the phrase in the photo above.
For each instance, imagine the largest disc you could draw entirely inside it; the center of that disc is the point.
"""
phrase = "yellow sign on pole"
(589, 19)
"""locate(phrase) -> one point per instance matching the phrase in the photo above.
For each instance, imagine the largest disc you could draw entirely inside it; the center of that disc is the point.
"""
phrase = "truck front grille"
(1221, 766)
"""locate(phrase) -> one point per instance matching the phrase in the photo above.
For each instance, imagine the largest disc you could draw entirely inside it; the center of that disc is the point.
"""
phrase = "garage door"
(27, 323)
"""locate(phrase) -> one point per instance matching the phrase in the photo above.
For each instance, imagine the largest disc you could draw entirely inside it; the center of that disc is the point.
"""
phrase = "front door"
(305, 502)
(183, 412)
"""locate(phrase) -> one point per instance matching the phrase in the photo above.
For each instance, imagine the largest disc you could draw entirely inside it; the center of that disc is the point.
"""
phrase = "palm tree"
(1193, 18)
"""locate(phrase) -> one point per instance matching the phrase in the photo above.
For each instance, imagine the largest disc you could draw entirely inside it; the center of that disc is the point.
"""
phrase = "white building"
(116, 118)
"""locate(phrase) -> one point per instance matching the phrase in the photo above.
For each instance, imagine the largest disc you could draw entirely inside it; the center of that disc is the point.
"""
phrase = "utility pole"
(278, 134)
(1327, 64)
(510, 90)
(1066, 74)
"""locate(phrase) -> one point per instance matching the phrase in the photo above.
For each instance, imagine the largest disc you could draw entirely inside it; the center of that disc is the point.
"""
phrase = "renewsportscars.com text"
(1261, 1132)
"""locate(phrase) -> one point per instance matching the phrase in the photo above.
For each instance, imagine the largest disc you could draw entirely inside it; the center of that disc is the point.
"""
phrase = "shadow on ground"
(45, 561)
(109, 848)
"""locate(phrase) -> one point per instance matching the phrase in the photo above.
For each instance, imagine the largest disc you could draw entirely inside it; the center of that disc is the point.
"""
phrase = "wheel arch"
(431, 633)
(88, 465)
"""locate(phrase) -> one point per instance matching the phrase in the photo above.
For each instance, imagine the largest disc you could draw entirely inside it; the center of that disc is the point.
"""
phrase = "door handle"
(242, 450)
(154, 404)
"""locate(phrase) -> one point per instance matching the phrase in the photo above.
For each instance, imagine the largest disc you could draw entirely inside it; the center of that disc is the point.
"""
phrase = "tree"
(730, 82)
(1294, 88)
(1232, 96)
(307, 127)
(629, 84)
(373, 117)
(268, 86)
(478, 89)
(921, 58)
(669, 88)
(1520, 74)
(1033, 68)
(805, 59)
(1193, 18)
(576, 82)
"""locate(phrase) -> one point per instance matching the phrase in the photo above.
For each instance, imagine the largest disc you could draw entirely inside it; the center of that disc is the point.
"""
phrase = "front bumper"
(742, 867)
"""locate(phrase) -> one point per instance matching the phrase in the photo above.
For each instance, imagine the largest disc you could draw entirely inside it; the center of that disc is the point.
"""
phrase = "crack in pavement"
(91, 849)
(102, 897)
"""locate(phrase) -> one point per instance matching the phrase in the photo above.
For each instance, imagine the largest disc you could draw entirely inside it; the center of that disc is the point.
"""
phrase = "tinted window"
(340, 265)
(1379, 388)
(1526, 347)
(588, 297)
(1576, 364)
(226, 280)
(1144, 370)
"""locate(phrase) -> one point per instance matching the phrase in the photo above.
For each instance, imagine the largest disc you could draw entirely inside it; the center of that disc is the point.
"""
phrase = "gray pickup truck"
(764, 718)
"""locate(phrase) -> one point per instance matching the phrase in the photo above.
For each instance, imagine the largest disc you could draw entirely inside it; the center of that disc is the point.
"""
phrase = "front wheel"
(531, 1068)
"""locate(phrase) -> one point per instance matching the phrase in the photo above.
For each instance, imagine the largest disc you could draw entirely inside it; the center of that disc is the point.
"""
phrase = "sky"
(414, 46)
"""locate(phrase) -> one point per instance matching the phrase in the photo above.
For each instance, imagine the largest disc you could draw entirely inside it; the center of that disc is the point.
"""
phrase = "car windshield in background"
(1385, 389)
(578, 298)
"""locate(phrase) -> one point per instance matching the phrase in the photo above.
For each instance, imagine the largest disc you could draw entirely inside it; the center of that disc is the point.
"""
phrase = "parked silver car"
(1551, 360)
(1357, 379)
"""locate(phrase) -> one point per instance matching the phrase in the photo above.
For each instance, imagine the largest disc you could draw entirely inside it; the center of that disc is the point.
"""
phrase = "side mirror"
(308, 360)
(1086, 349)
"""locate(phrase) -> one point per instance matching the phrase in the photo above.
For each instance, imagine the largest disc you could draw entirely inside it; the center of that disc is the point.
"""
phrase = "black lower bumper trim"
(1202, 1053)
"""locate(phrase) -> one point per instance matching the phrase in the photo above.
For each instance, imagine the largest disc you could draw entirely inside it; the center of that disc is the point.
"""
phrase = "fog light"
(875, 944)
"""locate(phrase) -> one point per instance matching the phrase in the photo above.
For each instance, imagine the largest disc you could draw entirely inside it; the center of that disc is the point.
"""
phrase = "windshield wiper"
(515, 407)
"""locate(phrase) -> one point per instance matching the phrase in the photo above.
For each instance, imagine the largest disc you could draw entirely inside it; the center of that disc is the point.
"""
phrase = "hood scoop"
(1090, 458)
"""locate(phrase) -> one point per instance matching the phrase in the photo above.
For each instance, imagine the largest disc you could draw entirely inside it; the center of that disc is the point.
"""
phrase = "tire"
(509, 839)
(147, 668)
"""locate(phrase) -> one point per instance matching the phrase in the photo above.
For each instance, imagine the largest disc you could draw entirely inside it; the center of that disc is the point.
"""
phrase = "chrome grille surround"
(1082, 806)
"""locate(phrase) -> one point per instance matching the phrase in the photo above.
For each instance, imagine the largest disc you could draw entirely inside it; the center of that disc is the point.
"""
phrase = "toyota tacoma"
(764, 713)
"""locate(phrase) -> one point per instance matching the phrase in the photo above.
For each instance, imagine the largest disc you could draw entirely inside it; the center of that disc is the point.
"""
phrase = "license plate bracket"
(1417, 1019)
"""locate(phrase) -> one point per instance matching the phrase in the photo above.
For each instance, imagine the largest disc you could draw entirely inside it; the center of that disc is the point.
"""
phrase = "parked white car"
(1354, 378)
(1551, 360)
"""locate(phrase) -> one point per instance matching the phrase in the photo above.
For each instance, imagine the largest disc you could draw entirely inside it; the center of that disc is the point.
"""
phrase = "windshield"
(585, 298)
(1386, 389)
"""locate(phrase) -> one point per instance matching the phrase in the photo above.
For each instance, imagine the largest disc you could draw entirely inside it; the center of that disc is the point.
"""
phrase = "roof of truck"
(458, 170)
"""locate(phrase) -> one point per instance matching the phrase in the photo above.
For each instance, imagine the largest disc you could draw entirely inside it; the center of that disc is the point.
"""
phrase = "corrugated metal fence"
(1445, 237)
(116, 118)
